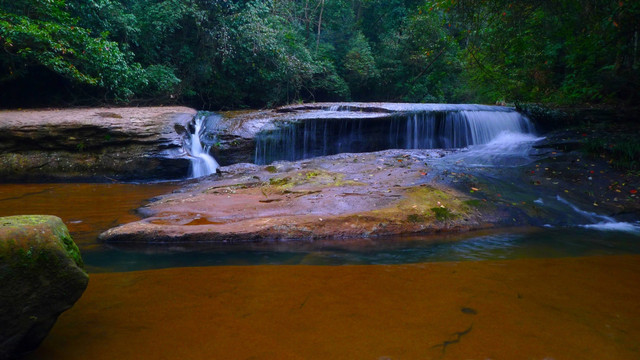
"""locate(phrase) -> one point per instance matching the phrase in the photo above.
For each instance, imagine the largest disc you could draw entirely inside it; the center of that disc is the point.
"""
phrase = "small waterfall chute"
(202, 163)
(601, 222)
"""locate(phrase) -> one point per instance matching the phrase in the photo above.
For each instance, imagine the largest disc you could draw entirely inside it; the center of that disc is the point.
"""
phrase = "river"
(566, 289)
(534, 293)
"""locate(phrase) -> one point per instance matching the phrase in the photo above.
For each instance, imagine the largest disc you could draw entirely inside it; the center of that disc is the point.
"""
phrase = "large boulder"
(41, 276)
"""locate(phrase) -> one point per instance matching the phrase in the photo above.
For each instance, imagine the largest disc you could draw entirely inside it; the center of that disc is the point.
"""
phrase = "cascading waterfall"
(202, 163)
(449, 128)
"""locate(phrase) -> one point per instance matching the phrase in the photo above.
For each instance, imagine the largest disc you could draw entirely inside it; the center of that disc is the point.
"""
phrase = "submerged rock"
(94, 144)
(40, 277)
(339, 196)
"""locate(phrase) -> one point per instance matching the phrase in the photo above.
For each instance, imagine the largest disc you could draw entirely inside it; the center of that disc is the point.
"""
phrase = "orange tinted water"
(87, 209)
(571, 308)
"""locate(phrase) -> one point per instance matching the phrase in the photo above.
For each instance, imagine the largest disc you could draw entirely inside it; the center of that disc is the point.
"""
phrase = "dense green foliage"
(232, 53)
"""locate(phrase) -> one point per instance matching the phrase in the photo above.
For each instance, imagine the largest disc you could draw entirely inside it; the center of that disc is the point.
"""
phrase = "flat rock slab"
(339, 196)
(121, 143)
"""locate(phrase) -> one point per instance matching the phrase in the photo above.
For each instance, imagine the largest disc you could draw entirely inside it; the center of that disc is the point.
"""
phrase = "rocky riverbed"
(339, 196)
(348, 195)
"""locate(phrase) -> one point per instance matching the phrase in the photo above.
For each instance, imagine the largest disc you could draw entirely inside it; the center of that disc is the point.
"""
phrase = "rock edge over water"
(339, 196)
(93, 144)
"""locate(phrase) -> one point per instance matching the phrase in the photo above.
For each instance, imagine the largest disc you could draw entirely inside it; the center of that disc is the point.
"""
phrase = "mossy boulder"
(41, 276)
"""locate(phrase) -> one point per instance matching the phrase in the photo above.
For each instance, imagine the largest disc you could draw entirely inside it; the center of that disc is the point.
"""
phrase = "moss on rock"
(40, 277)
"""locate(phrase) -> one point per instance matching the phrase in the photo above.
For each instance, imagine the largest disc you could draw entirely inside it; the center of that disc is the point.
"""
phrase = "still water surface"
(89, 209)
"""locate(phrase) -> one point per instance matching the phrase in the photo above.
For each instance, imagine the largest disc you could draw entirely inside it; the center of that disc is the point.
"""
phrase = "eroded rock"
(339, 196)
(94, 143)
(40, 277)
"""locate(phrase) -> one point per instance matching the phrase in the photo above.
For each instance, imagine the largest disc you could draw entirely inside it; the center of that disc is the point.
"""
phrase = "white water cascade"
(601, 222)
(345, 128)
(202, 163)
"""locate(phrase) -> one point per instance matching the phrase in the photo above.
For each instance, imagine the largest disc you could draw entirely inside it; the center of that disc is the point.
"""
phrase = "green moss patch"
(29, 238)
(442, 213)
(416, 218)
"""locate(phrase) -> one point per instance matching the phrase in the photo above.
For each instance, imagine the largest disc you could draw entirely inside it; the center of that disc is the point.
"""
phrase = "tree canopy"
(223, 54)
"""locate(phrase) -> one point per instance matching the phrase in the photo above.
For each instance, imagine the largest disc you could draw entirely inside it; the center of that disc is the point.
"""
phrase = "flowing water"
(568, 290)
(496, 144)
(89, 209)
(340, 130)
(202, 163)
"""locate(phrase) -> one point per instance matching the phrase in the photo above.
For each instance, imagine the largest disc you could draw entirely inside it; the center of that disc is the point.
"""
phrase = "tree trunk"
(319, 24)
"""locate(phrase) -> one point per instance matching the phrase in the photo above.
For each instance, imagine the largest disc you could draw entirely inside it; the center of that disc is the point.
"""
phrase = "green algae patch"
(424, 199)
(280, 181)
(426, 206)
(476, 203)
(313, 178)
(416, 218)
(226, 189)
(442, 213)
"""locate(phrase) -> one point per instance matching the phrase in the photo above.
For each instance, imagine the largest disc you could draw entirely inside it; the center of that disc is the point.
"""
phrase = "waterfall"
(450, 127)
(202, 163)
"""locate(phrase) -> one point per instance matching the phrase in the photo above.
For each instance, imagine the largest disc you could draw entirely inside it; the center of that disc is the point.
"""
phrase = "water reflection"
(495, 245)
(86, 209)
(89, 209)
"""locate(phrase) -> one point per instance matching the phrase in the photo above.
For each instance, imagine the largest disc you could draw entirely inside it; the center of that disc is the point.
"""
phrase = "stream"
(563, 286)
(89, 209)
(474, 146)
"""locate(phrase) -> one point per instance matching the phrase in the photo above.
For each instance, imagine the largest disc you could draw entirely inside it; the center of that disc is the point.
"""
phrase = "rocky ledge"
(339, 196)
(93, 144)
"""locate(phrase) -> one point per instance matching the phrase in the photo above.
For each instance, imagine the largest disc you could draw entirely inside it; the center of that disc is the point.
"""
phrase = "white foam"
(614, 226)
(507, 149)
(602, 222)
(201, 162)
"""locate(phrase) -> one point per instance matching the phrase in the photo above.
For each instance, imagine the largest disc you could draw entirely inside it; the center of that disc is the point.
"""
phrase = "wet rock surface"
(396, 192)
(41, 276)
(592, 181)
(235, 132)
(339, 196)
(93, 144)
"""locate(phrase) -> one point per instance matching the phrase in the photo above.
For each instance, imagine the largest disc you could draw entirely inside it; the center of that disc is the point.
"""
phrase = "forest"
(233, 54)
